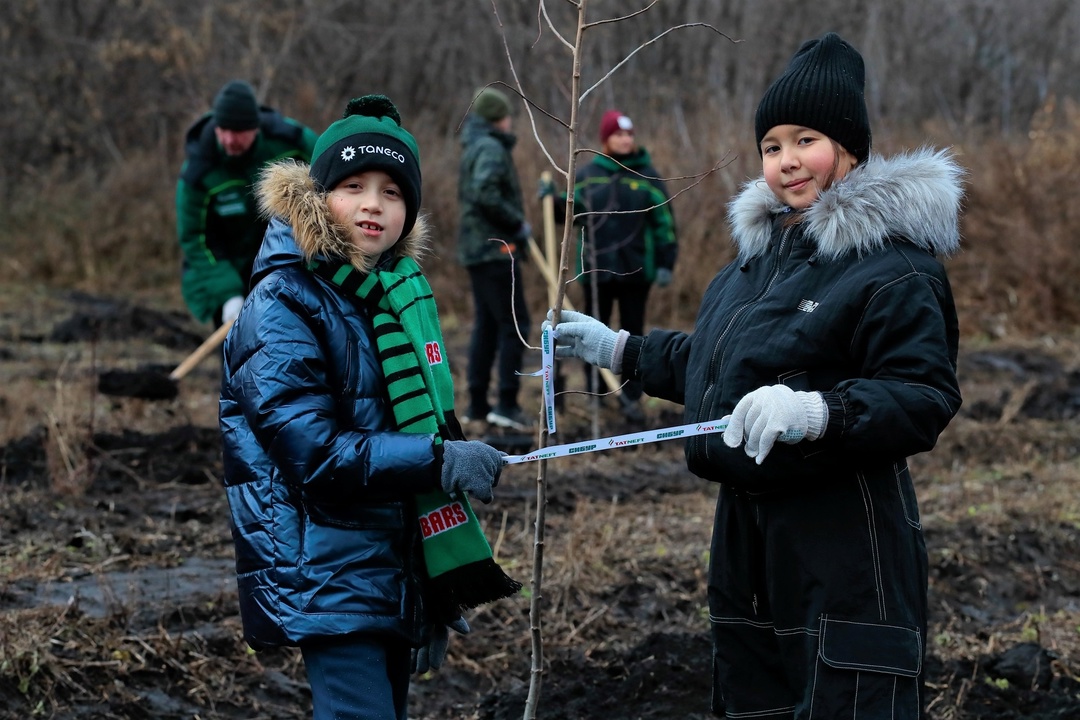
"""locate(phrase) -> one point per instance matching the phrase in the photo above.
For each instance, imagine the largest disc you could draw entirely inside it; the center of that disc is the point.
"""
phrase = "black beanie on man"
(821, 89)
(369, 136)
(235, 107)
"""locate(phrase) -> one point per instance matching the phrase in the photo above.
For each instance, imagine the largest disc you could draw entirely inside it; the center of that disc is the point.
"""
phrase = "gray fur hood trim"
(285, 190)
(915, 196)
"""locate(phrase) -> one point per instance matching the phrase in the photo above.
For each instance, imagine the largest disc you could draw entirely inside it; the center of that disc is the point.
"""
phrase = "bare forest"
(117, 594)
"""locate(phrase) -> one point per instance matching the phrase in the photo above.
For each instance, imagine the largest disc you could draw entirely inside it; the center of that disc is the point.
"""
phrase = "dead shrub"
(109, 232)
(1017, 272)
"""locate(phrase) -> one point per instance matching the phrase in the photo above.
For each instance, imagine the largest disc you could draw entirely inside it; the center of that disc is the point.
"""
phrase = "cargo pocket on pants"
(867, 670)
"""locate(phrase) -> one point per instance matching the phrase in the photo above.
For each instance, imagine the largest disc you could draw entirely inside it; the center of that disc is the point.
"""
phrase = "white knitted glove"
(581, 336)
(775, 413)
(231, 309)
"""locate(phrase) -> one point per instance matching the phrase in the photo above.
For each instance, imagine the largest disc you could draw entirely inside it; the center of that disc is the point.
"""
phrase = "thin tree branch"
(644, 45)
(697, 177)
(542, 11)
(620, 19)
(521, 93)
(513, 292)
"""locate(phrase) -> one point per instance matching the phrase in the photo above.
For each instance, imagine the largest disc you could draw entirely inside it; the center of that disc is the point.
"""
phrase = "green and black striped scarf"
(410, 348)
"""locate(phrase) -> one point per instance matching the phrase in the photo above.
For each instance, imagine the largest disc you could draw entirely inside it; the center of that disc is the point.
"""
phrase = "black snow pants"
(818, 601)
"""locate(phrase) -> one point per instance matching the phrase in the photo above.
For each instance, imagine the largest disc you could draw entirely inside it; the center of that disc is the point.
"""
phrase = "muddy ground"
(117, 598)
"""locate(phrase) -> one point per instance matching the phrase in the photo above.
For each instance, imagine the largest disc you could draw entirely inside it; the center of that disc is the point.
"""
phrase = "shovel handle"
(608, 377)
(199, 354)
(549, 257)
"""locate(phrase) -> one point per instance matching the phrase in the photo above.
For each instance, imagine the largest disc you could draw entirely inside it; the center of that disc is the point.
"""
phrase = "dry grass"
(1016, 274)
(56, 651)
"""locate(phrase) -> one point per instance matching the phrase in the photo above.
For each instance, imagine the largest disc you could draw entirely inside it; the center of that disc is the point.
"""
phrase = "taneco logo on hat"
(349, 152)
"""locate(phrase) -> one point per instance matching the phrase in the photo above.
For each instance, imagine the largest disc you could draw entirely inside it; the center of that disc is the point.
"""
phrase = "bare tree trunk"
(536, 605)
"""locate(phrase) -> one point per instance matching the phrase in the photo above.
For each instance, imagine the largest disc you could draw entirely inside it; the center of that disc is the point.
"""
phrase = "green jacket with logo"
(630, 224)
(217, 219)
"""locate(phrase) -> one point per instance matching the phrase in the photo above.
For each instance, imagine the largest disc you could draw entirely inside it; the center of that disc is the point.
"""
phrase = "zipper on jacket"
(714, 359)
(351, 351)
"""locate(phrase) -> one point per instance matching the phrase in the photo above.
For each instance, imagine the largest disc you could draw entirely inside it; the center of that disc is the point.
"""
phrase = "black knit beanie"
(235, 107)
(821, 89)
(369, 136)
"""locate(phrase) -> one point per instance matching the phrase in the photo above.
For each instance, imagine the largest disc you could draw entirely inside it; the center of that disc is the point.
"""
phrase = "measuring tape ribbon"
(619, 441)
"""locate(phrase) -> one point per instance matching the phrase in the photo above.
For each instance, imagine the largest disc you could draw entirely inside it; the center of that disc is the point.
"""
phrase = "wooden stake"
(199, 354)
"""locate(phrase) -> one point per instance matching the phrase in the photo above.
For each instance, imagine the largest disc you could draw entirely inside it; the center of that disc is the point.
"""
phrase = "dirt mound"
(100, 318)
(1028, 383)
(665, 676)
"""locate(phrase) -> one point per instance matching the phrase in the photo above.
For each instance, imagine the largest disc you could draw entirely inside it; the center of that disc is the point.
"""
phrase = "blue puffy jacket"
(319, 486)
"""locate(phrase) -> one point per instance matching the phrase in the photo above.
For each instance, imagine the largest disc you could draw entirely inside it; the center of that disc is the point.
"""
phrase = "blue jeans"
(357, 677)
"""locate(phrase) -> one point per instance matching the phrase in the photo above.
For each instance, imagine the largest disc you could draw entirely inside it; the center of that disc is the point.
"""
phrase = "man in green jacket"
(217, 219)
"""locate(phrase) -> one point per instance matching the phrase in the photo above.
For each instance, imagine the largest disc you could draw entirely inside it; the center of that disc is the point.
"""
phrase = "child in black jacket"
(832, 341)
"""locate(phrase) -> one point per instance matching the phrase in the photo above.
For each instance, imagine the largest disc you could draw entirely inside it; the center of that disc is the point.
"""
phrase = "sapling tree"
(573, 42)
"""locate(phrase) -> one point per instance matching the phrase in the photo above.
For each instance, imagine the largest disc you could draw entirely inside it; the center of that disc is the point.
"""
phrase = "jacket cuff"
(437, 450)
(835, 409)
(630, 356)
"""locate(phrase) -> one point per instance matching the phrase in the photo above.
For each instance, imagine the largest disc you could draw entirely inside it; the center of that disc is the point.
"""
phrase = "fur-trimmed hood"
(286, 190)
(914, 196)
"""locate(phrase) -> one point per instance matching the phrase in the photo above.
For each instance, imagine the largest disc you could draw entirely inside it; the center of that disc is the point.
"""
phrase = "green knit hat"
(491, 104)
(369, 136)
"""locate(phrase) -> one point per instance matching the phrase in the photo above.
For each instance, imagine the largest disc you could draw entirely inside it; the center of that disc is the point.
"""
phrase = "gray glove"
(525, 231)
(431, 656)
(775, 413)
(471, 466)
(585, 337)
(663, 277)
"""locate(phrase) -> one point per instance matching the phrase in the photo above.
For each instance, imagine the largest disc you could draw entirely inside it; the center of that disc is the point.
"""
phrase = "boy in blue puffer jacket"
(345, 469)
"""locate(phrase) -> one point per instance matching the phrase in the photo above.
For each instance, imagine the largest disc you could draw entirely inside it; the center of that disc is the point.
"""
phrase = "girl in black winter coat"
(831, 341)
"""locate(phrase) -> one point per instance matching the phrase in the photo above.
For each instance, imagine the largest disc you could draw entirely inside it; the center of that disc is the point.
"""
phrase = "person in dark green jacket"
(492, 238)
(217, 220)
(630, 240)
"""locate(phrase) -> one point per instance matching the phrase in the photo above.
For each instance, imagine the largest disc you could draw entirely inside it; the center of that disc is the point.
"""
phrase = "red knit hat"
(612, 121)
